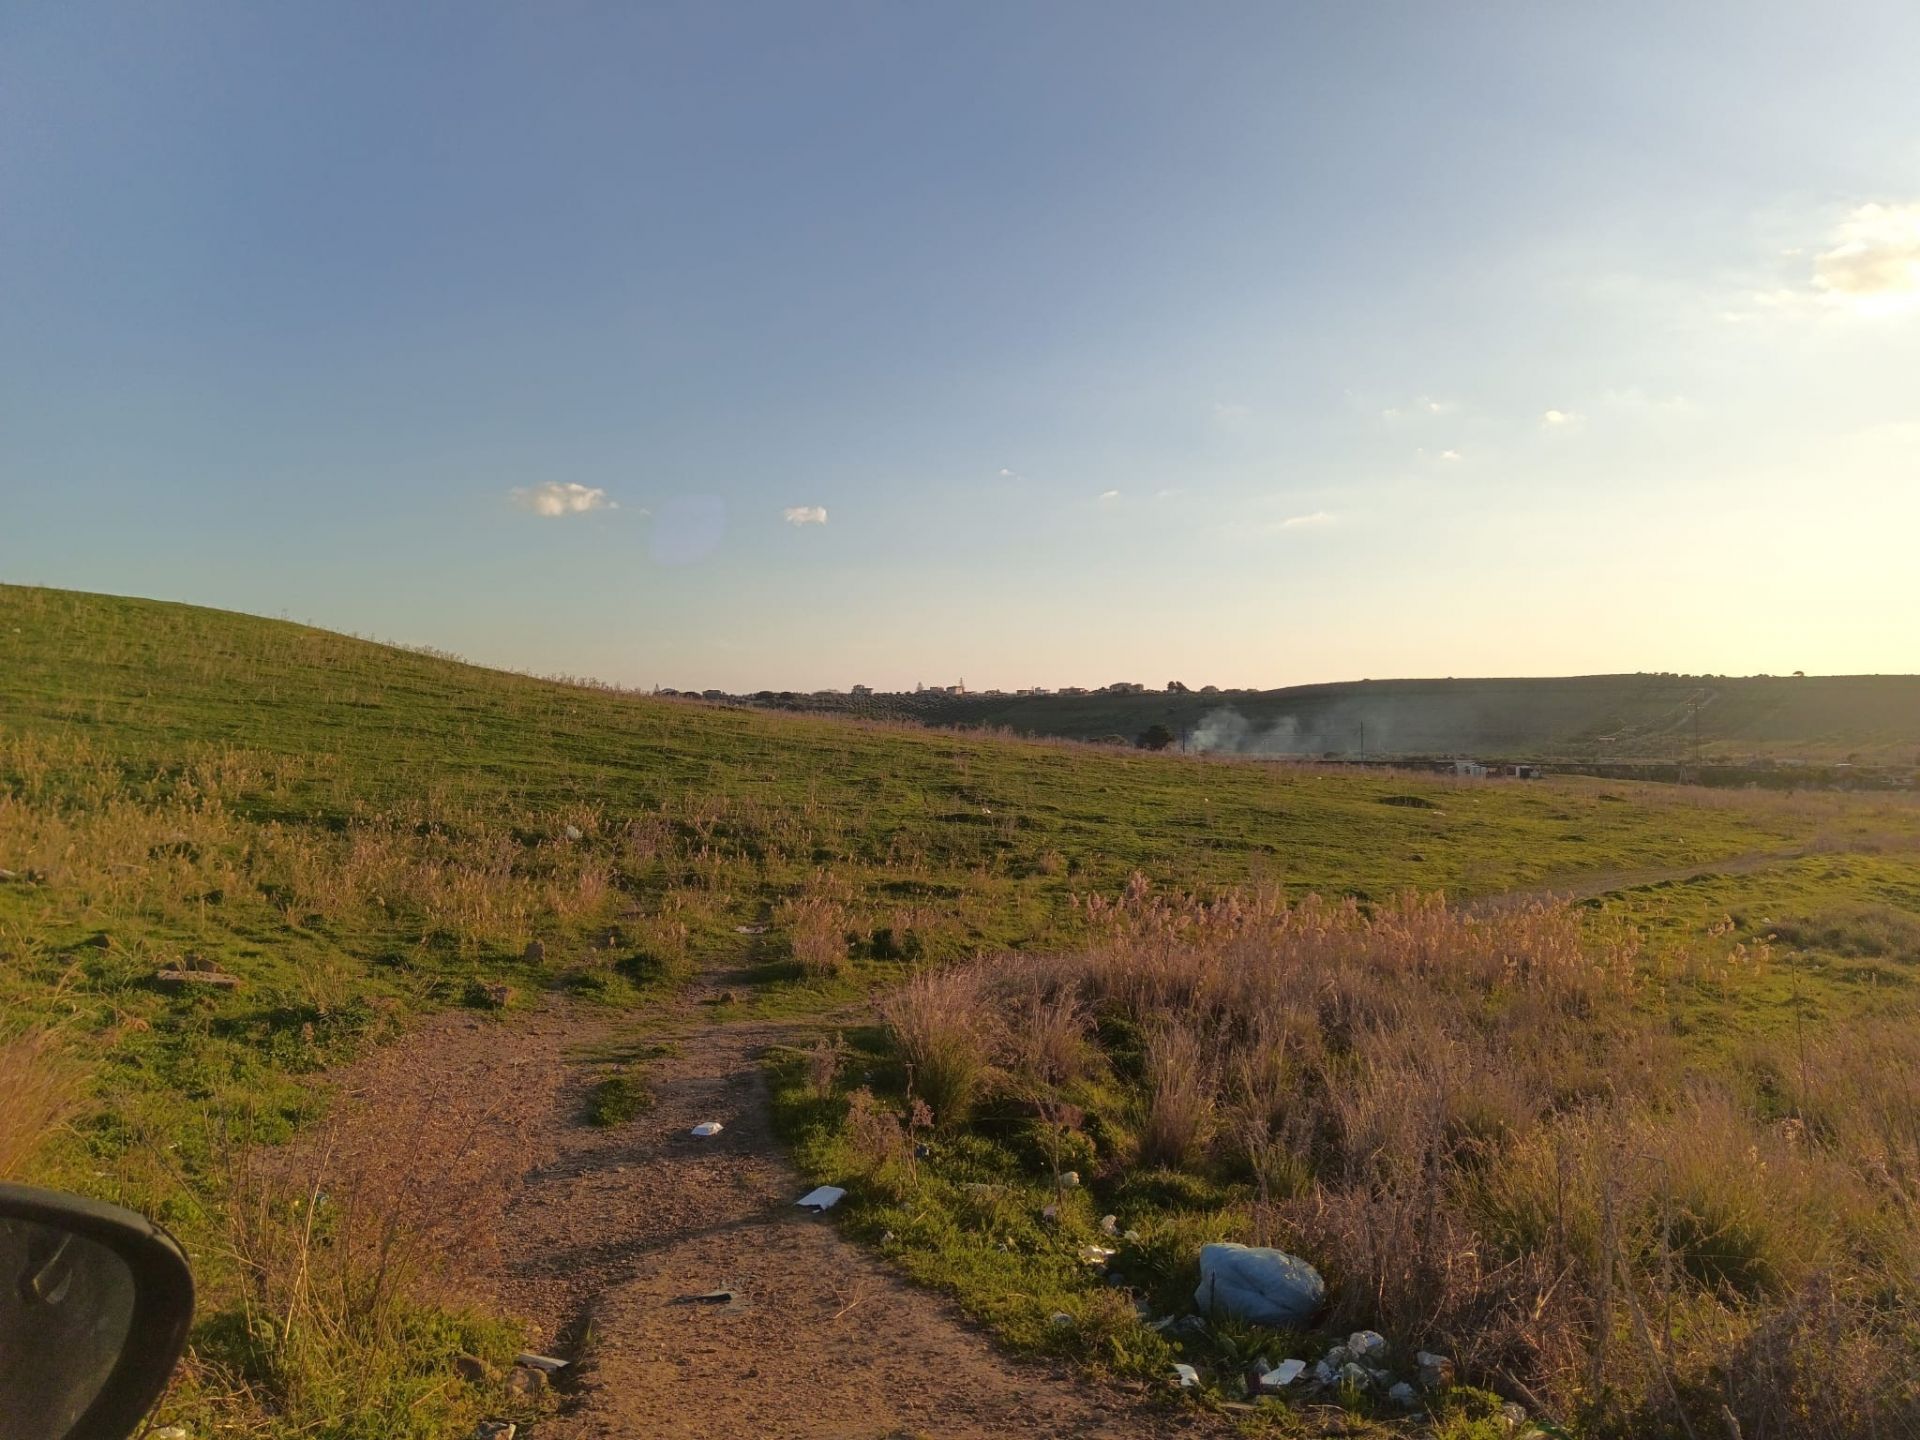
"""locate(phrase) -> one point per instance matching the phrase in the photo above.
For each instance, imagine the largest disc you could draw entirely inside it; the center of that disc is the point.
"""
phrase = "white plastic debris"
(1187, 1376)
(707, 1128)
(1283, 1374)
(822, 1197)
(1096, 1254)
(1070, 1179)
(1060, 1318)
(749, 929)
(573, 832)
(1109, 1224)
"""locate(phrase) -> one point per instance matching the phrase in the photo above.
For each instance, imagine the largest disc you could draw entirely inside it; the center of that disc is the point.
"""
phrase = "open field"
(360, 834)
(1592, 718)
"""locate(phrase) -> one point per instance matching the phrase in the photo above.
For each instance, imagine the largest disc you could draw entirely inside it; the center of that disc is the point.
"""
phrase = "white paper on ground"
(706, 1128)
(825, 1197)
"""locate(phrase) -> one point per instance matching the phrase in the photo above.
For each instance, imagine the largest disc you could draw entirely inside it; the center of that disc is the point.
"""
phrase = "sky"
(798, 345)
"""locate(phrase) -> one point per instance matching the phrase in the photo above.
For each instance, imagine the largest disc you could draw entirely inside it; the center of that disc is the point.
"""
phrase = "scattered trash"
(1187, 1376)
(1354, 1374)
(219, 979)
(1258, 1285)
(1404, 1395)
(1109, 1224)
(1283, 1374)
(823, 1197)
(525, 1380)
(709, 1297)
(923, 1151)
(547, 1363)
(572, 832)
(169, 1432)
(1060, 1317)
(750, 929)
(495, 1430)
(1050, 1213)
(1070, 1180)
(706, 1128)
(1096, 1254)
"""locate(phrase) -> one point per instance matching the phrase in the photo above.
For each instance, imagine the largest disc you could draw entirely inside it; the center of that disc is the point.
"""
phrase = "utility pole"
(1363, 742)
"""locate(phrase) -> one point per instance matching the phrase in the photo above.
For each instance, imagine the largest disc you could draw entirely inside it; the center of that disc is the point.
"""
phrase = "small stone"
(1514, 1416)
(535, 952)
(525, 1380)
(497, 996)
(1070, 1180)
(1404, 1395)
(1355, 1375)
(7, 877)
(219, 980)
(1366, 1344)
(1060, 1318)
(472, 1369)
(572, 832)
(1436, 1371)
(1338, 1356)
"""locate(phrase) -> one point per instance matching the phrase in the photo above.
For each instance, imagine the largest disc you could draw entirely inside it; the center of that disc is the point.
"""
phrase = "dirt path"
(601, 1233)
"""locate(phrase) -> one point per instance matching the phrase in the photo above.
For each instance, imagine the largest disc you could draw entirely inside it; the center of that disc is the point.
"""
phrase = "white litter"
(706, 1128)
(1283, 1374)
(1187, 1376)
(823, 1197)
(749, 929)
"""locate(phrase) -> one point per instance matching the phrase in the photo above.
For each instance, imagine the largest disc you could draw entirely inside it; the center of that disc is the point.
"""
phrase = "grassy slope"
(1589, 717)
(357, 831)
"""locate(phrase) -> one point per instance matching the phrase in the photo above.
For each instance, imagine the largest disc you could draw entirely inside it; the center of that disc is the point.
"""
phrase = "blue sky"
(798, 345)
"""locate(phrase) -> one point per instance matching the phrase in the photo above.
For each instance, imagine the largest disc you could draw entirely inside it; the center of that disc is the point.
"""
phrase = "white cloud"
(1874, 262)
(1306, 522)
(1173, 492)
(562, 498)
(1560, 420)
(1228, 410)
(806, 514)
(1449, 455)
(1109, 496)
(1421, 405)
(1006, 474)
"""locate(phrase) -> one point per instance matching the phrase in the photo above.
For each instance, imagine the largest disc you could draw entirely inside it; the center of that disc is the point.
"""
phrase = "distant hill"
(1872, 718)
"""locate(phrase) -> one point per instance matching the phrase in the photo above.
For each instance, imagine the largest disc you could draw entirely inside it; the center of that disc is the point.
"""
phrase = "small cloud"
(1227, 410)
(1449, 455)
(1560, 420)
(805, 514)
(1171, 493)
(562, 498)
(1109, 496)
(1006, 474)
(1874, 263)
(1421, 405)
(1306, 522)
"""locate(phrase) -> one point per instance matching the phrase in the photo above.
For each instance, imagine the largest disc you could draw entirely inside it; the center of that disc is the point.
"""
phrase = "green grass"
(361, 833)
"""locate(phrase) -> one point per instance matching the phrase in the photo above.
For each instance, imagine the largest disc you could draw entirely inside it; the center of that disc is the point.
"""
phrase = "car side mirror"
(94, 1307)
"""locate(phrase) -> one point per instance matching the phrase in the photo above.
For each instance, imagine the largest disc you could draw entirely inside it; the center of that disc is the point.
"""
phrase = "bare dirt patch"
(601, 1235)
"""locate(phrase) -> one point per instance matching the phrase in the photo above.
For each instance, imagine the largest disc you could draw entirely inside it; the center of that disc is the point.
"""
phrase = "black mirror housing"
(54, 1243)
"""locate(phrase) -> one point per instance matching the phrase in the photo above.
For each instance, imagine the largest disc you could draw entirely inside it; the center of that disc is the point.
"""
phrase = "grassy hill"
(1587, 718)
(355, 833)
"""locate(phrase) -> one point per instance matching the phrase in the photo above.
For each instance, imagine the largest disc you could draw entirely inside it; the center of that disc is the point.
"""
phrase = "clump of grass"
(944, 1025)
(617, 1099)
(38, 1089)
